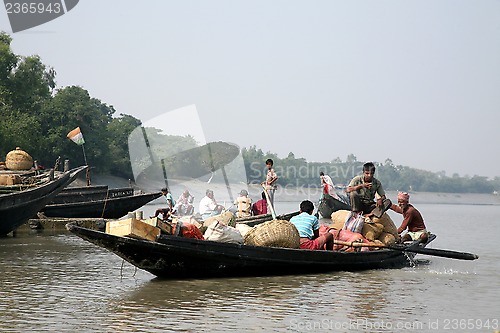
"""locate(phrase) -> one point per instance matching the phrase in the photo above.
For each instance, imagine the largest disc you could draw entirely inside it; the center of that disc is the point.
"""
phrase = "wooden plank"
(156, 222)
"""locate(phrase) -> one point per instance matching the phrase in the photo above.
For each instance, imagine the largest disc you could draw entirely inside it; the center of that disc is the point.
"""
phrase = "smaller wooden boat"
(18, 206)
(328, 205)
(175, 257)
(115, 204)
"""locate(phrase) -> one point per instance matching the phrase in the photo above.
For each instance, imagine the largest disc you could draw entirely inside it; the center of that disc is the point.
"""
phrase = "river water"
(59, 283)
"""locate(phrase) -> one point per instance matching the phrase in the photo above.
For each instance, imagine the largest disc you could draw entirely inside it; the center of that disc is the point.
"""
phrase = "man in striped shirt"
(308, 227)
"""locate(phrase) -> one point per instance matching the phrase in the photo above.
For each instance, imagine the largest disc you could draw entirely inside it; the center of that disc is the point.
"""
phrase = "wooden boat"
(175, 257)
(18, 206)
(90, 193)
(328, 205)
(115, 204)
(254, 220)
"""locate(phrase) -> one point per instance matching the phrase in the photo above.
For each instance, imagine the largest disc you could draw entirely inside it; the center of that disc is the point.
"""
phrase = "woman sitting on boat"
(184, 204)
(260, 207)
(308, 227)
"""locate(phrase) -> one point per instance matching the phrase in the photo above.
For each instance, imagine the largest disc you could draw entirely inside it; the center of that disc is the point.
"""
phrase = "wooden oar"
(419, 250)
(269, 202)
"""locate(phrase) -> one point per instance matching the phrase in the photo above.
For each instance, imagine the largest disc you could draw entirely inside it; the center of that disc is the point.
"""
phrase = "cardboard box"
(164, 226)
(132, 228)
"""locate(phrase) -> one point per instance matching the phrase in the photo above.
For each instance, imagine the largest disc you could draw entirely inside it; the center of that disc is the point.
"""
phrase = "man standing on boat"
(362, 190)
(327, 184)
(412, 219)
(270, 183)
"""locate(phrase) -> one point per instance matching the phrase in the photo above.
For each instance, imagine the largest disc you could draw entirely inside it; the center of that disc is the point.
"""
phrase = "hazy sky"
(414, 81)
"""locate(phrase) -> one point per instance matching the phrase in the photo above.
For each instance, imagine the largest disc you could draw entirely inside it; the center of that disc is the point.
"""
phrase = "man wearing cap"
(208, 205)
(412, 219)
(243, 204)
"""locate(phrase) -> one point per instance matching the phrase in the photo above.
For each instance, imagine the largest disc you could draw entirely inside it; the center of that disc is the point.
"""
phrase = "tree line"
(36, 116)
(298, 172)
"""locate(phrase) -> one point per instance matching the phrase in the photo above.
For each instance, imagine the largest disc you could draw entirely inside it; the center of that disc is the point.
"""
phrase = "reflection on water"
(57, 282)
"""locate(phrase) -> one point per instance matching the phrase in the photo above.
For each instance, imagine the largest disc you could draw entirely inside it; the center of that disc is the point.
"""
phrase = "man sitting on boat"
(209, 206)
(260, 207)
(362, 190)
(308, 227)
(412, 220)
(165, 212)
(184, 205)
(243, 204)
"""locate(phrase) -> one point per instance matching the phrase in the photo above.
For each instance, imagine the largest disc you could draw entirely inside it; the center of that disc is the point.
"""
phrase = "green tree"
(118, 131)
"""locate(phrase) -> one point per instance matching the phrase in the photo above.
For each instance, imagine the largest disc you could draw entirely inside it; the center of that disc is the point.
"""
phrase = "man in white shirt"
(209, 206)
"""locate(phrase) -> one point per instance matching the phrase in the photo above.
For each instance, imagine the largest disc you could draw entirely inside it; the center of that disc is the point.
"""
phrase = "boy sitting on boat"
(308, 227)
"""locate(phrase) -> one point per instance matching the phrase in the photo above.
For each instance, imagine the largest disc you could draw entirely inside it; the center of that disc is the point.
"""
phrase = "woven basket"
(275, 233)
(18, 160)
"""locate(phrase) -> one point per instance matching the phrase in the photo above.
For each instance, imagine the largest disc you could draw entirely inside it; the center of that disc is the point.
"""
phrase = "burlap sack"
(226, 218)
(338, 219)
(387, 238)
(372, 231)
(18, 159)
(389, 226)
(243, 228)
(219, 232)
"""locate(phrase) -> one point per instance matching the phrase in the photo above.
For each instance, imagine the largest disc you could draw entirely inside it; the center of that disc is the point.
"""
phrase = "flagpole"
(87, 172)
(84, 156)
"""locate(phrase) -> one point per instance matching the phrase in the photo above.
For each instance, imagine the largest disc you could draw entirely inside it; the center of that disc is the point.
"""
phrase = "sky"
(414, 81)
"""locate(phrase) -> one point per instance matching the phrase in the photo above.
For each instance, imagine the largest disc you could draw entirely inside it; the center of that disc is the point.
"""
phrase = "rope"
(105, 202)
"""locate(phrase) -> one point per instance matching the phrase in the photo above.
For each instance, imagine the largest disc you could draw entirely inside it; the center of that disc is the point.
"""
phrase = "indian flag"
(76, 136)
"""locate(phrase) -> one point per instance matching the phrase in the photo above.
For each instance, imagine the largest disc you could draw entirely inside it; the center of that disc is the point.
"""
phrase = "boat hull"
(17, 207)
(111, 208)
(328, 205)
(177, 257)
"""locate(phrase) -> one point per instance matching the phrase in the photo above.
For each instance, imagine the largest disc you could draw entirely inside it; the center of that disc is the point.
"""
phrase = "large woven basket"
(275, 233)
(18, 160)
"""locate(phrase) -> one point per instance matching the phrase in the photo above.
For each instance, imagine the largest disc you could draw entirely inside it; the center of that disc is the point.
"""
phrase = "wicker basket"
(275, 233)
(18, 160)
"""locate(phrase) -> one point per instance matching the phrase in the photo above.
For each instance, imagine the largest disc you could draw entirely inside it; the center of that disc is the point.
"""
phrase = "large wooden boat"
(19, 205)
(98, 203)
(89, 193)
(175, 257)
